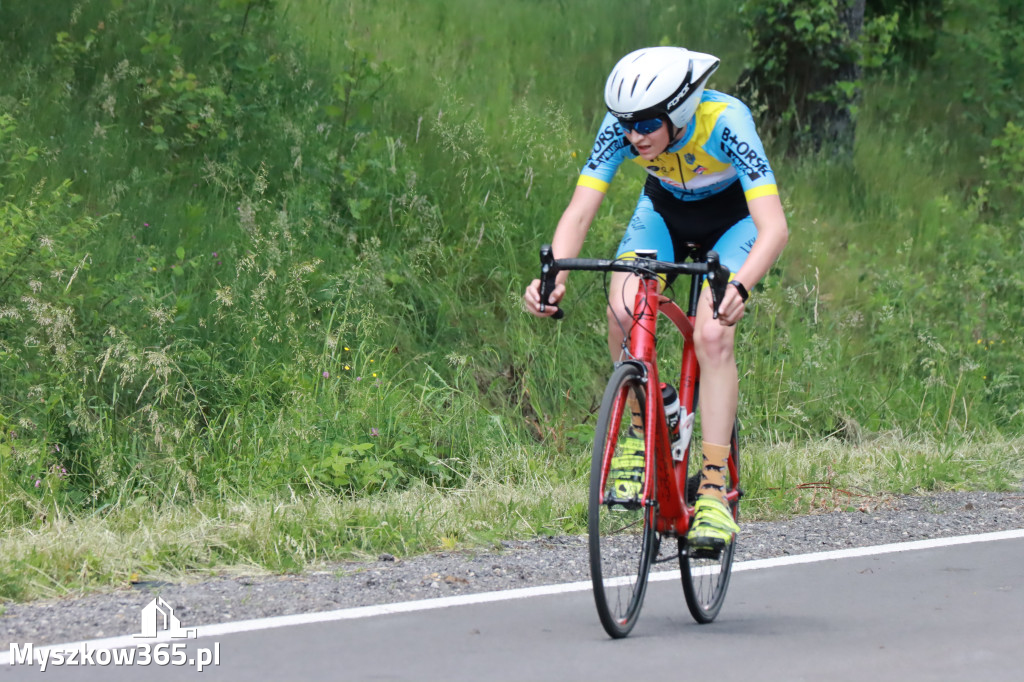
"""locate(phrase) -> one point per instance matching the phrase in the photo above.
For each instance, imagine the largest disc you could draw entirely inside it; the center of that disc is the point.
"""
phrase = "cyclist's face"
(650, 145)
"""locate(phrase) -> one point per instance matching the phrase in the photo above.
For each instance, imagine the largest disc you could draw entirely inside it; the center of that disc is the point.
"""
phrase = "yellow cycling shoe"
(713, 526)
(626, 474)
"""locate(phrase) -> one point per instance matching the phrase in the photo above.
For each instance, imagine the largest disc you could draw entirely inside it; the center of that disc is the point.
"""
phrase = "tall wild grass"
(268, 255)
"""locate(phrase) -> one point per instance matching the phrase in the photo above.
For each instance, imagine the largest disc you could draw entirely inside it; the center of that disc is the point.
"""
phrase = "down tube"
(641, 346)
(689, 372)
(689, 376)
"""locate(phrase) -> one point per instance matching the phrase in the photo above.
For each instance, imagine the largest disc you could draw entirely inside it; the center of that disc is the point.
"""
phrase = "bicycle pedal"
(712, 553)
(631, 504)
(711, 548)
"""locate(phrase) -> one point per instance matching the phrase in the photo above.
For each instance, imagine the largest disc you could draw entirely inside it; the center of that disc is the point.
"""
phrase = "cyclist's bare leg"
(719, 380)
(719, 388)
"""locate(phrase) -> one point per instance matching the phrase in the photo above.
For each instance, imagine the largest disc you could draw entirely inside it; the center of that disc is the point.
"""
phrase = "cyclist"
(708, 183)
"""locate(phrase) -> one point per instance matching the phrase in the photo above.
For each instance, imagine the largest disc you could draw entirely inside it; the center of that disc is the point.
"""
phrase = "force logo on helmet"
(672, 105)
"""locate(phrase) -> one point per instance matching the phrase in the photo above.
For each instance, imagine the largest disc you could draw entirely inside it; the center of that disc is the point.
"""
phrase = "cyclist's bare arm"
(772, 235)
(568, 241)
(575, 222)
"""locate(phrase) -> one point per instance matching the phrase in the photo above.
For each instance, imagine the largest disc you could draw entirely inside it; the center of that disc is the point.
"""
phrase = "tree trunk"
(832, 124)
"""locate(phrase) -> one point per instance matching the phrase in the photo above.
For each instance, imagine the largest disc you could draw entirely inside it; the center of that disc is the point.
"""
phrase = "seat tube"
(689, 370)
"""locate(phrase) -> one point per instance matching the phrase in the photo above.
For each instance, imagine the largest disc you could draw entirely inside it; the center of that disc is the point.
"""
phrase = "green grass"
(259, 299)
(82, 552)
(833, 475)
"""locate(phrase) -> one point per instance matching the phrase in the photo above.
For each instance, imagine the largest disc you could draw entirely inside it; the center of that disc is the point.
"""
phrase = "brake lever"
(548, 272)
(718, 279)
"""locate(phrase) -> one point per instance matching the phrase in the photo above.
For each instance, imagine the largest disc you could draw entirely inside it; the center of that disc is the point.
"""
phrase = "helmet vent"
(635, 81)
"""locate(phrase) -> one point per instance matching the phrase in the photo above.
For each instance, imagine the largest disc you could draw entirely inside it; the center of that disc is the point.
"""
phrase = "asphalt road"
(943, 613)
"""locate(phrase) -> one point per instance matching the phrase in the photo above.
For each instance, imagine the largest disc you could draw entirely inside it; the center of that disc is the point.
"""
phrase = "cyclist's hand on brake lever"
(732, 308)
(532, 299)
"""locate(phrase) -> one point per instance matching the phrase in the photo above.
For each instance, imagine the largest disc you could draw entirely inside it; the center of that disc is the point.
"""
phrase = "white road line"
(220, 629)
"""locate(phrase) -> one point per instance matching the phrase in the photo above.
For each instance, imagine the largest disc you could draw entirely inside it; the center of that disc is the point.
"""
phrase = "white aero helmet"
(659, 81)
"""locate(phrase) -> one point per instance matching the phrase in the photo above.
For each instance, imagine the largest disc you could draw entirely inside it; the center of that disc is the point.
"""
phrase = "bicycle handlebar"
(717, 274)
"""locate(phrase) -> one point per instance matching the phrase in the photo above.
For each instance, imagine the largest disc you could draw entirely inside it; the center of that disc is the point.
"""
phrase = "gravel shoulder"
(512, 565)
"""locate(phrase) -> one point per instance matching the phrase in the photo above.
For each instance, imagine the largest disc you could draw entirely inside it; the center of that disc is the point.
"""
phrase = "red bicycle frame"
(672, 510)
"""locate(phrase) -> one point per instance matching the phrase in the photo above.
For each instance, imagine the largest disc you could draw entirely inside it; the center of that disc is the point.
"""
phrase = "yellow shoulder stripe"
(762, 191)
(593, 183)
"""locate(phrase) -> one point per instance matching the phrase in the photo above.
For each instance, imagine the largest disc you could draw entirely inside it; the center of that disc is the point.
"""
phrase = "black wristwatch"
(744, 294)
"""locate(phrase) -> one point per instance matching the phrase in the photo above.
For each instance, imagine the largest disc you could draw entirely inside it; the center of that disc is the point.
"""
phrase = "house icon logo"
(158, 617)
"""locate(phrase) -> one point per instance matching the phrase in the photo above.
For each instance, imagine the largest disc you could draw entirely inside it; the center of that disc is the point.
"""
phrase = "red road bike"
(626, 540)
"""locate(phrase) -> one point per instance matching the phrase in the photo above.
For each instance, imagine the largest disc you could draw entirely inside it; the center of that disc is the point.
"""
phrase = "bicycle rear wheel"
(622, 538)
(706, 574)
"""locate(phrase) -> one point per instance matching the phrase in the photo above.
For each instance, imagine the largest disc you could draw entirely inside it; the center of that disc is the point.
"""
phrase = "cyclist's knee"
(618, 315)
(714, 341)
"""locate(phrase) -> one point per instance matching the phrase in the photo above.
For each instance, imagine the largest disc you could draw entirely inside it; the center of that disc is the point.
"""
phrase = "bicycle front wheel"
(706, 574)
(622, 537)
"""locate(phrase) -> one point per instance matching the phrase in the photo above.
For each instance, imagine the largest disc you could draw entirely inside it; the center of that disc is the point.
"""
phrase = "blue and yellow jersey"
(720, 146)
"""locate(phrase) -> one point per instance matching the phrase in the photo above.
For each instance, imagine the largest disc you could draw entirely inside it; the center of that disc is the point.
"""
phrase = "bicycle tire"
(622, 541)
(706, 577)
